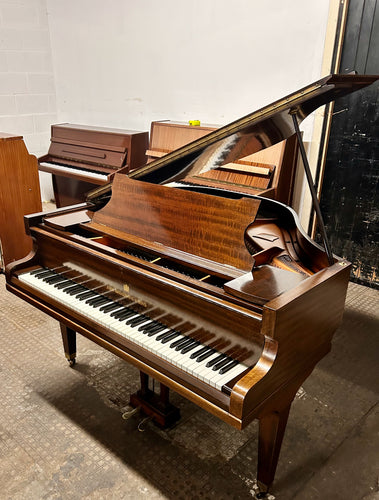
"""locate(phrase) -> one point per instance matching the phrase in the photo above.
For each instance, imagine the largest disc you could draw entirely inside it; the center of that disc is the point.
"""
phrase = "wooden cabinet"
(19, 195)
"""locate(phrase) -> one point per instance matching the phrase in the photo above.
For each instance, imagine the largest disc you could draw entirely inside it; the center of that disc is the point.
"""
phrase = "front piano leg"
(271, 432)
(69, 343)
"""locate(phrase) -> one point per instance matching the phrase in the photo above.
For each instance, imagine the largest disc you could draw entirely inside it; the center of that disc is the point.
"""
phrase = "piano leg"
(271, 432)
(157, 406)
(69, 343)
(272, 425)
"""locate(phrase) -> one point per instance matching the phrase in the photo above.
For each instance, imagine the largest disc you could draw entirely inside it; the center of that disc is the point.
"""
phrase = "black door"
(349, 199)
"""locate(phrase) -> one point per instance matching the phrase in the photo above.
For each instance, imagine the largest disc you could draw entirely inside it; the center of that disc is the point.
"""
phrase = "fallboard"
(87, 155)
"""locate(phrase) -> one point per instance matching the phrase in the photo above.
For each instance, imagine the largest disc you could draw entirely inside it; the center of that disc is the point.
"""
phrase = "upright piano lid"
(83, 144)
(259, 130)
(85, 135)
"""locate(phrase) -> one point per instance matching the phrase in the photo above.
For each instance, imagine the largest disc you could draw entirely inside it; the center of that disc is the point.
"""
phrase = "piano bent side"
(301, 322)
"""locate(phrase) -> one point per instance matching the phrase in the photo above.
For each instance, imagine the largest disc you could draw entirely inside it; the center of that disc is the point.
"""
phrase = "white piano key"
(73, 171)
(134, 334)
(219, 380)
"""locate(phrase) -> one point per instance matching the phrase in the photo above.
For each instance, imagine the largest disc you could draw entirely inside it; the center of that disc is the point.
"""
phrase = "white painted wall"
(124, 63)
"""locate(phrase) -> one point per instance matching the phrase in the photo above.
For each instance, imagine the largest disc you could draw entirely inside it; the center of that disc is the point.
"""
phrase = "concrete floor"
(62, 435)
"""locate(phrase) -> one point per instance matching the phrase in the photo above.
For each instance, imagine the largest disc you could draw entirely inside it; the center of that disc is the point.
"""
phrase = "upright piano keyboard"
(218, 295)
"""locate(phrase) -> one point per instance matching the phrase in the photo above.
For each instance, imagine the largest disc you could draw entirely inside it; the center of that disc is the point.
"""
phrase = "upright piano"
(82, 157)
(168, 135)
(219, 296)
(269, 172)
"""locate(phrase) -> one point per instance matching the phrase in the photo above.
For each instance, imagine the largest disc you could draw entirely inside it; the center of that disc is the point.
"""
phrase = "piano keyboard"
(53, 168)
(179, 342)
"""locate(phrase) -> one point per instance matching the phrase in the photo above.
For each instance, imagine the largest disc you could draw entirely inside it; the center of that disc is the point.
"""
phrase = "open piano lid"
(254, 132)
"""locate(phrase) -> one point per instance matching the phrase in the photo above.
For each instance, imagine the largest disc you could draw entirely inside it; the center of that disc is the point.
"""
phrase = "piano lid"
(254, 132)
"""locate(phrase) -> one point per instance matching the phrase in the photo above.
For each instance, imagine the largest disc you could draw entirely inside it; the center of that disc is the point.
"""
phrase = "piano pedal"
(144, 421)
(130, 412)
(151, 405)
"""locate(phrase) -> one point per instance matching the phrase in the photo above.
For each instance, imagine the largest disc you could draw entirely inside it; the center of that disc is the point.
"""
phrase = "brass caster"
(261, 495)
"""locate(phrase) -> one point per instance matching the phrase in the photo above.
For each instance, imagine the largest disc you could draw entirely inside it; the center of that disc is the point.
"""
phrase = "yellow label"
(194, 123)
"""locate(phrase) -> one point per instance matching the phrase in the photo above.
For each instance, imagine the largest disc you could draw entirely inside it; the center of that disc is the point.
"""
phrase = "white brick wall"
(27, 88)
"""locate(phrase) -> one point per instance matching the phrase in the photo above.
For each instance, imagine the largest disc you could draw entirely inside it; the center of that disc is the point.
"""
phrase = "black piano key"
(72, 290)
(117, 314)
(99, 301)
(151, 333)
(157, 327)
(126, 315)
(133, 318)
(166, 337)
(123, 314)
(198, 353)
(39, 270)
(185, 343)
(70, 286)
(137, 321)
(146, 329)
(119, 311)
(51, 276)
(221, 363)
(85, 295)
(215, 360)
(206, 355)
(64, 284)
(109, 307)
(82, 291)
(92, 300)
(228, 367)
(161, 335)
(44, 274)
(78, 291)
(54, 279)
(149, 326)
(189, 348)
(179, 342)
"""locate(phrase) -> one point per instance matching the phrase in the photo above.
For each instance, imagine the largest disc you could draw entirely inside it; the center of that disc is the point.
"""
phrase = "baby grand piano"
(219, 296)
